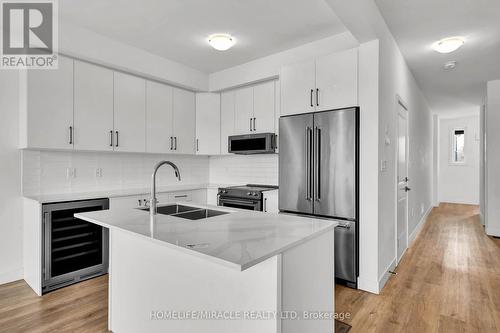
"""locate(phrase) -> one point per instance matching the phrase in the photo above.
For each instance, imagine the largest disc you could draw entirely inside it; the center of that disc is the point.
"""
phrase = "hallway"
(448, 281)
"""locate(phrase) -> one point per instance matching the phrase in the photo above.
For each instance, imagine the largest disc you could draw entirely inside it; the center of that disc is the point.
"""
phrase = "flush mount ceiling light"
(448, 45)
(450, 65)
(221, 42)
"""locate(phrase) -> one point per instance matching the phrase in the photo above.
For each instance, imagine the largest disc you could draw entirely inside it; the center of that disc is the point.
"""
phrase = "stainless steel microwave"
(261, 143)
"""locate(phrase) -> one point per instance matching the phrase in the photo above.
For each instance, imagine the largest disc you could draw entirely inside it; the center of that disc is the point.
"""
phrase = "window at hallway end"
(458, 146)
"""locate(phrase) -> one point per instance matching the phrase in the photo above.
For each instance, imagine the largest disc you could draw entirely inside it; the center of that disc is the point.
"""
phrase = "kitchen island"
(235, 271)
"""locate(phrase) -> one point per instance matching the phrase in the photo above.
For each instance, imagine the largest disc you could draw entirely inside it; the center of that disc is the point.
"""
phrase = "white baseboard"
(369, 286)
(386, 275)
(495, 232)
(419, 226)
(6, 277)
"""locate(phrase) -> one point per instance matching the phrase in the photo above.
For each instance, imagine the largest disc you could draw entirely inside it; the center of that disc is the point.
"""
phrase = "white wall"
(269, 67)
(459, 183)
(492, 158)
(363, 19)
(45, 172)
(87, 45)
(11, 265)
(251, 169)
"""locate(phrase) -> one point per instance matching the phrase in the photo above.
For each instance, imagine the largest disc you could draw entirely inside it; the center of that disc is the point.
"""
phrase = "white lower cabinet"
(270, 201)
(212, 196)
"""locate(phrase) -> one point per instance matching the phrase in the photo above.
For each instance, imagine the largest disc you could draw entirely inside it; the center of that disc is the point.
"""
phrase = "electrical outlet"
(98, 172)
(383, 165)
(70, 173)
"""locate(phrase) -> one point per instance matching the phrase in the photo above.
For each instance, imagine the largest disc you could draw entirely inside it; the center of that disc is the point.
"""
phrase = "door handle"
(407, 189)
(317, 97)
(254, 120)
(171, 143)
(197, 145)
(250, 124)
(265, 205)
(71, 135)
(175, 143)
(317, 160)
(116, 138)
(312, 105)
(308, 163)
(111, 138)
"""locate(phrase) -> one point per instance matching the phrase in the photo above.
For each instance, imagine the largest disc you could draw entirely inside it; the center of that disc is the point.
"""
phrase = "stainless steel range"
(248, 197)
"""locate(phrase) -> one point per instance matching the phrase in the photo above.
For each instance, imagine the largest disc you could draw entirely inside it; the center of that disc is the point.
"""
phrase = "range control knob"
(255, 194)
(249, 193)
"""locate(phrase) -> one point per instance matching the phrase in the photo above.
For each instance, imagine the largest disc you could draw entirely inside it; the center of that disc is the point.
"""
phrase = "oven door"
(240, 203)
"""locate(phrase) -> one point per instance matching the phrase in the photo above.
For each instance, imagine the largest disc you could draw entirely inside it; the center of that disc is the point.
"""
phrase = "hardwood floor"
(448, 281)
(81, 307)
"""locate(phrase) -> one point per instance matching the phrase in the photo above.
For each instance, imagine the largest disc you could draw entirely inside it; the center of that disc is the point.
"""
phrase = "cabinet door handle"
(254, 119)
(71, 135)
(116, 138)
(250, 124)
(312, 105)
(111, 138)
(317, 97)
(175, 143)
(265, 205)
(197, 145)
(171, 143)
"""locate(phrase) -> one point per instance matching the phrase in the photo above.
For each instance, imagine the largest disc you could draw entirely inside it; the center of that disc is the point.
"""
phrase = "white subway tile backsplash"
(45, 172)
(233, 169)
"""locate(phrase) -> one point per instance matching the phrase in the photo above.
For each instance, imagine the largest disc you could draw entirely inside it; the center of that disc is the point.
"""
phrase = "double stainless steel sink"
(187, 212)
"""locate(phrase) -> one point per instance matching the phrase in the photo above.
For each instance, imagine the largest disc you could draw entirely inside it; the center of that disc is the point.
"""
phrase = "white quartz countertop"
(240, 239)
(59, 197)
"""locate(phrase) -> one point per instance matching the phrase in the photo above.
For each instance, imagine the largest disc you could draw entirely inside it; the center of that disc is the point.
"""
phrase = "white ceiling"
(417, 24)
(177, 29)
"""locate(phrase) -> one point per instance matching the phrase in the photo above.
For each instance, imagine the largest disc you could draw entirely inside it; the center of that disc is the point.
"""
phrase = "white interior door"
(402, 187)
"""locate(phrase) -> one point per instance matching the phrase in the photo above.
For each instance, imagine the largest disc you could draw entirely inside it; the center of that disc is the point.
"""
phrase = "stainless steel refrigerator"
(318, 176)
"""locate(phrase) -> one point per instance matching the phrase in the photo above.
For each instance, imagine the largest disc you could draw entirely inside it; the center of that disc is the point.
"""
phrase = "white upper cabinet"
(93, 107)
(329, 82)
(184, 121)
(48, 107)
(337, 80)
(243, 110)
(159, 118)
(129, 113)
(297, 88)
(264, 108)
(227, 121)
(208, 124)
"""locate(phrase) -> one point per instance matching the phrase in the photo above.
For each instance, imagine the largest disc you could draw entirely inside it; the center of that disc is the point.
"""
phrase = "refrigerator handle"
(308, 163)
(317, 161)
